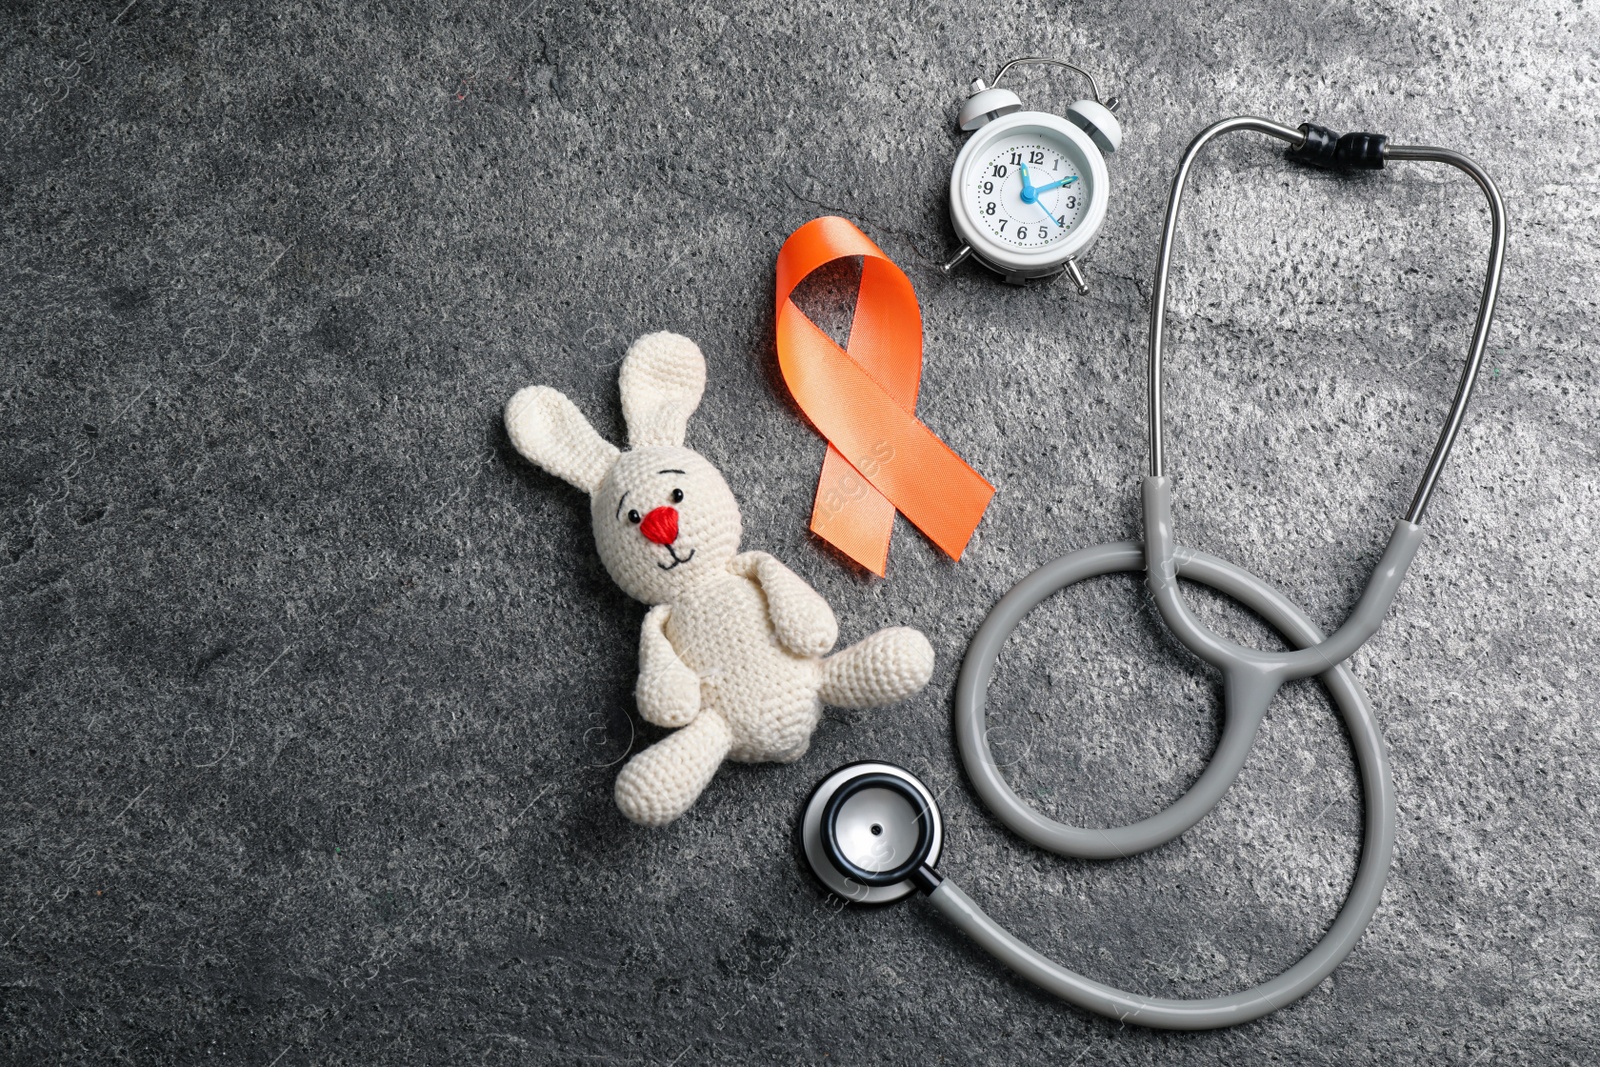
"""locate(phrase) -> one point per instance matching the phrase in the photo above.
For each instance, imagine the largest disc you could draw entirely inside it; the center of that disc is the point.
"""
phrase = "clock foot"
(955, 261)
(1077, 277)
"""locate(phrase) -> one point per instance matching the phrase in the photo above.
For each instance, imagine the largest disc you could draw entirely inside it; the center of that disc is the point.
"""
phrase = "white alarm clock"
(1029, 189)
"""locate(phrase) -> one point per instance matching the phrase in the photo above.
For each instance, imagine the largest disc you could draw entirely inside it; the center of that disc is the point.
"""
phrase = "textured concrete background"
(314, 692)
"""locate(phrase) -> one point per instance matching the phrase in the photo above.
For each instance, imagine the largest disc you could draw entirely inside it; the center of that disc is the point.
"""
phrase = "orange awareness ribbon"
(880, 458)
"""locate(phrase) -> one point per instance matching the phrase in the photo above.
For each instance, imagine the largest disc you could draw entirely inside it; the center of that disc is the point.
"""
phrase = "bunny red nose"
(661, 525)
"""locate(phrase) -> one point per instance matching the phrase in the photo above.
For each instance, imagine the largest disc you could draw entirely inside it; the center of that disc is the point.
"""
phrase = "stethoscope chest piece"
(868, 829)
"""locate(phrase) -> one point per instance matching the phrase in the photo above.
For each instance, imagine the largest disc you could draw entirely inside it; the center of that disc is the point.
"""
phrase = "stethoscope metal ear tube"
(1250, 678)
(1297, 138)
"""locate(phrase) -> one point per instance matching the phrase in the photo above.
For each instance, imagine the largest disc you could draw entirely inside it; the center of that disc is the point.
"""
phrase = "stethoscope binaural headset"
(872, 832)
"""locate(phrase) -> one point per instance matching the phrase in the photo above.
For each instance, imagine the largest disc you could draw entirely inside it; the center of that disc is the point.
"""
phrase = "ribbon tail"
(851, 515)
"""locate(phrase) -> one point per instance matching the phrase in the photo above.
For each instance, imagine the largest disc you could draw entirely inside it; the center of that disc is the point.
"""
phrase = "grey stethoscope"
(872, 832)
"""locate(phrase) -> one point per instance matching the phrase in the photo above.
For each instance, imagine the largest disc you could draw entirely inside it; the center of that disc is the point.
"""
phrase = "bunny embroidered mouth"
(675, 559)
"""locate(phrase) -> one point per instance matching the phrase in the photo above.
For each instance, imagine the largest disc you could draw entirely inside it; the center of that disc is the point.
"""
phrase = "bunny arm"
(668, 690)
(803, 620)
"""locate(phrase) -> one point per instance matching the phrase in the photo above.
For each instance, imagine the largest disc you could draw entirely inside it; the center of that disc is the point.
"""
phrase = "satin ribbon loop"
(863, 399)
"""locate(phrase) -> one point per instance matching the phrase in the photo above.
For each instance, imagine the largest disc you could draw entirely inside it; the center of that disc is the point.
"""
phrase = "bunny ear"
(662, 380)
(550, 431)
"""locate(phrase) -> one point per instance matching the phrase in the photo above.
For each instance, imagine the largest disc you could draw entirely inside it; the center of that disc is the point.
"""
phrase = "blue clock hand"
(1028, 191)
(1030, 195)
(1055, 185)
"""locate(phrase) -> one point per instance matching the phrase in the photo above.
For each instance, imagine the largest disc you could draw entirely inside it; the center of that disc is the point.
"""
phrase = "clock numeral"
(1022, 233)
(1016, 158)
(1035, 157)
(999, 170)
(1003, 225)
(1072, 203)
(989, 209)
(988, 187)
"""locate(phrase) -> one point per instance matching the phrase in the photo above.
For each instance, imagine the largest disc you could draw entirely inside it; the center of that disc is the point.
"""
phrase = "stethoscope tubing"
(1238, 734)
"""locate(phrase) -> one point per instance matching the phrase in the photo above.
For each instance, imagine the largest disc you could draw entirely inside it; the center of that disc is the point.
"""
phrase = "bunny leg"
(660, 783)
(883, 669)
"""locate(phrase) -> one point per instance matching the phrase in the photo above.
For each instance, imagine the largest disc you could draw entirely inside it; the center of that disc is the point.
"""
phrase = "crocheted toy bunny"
(733, 647)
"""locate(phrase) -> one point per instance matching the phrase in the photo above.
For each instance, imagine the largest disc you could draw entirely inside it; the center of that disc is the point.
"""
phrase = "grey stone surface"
(313, 692)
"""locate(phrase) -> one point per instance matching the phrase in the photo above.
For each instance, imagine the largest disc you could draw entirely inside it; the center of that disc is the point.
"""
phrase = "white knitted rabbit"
(732, 650)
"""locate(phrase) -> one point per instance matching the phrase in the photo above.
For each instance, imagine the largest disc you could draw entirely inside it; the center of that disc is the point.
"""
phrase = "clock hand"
(1055, 185)
(1030, 195)
(1028, 191)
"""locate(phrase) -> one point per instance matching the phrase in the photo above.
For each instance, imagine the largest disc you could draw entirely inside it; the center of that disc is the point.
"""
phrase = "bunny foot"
(663, 781)
(883, 669)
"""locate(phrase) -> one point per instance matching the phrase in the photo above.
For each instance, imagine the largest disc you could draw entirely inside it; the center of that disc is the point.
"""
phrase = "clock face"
(1027, 191)
(1028, 194)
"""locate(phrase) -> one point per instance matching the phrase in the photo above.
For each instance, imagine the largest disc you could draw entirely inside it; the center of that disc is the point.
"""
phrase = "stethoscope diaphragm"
(869, 829)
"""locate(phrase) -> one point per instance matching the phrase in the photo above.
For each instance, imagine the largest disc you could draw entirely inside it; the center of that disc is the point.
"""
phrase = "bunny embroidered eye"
(677, 496)
(634, 517)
